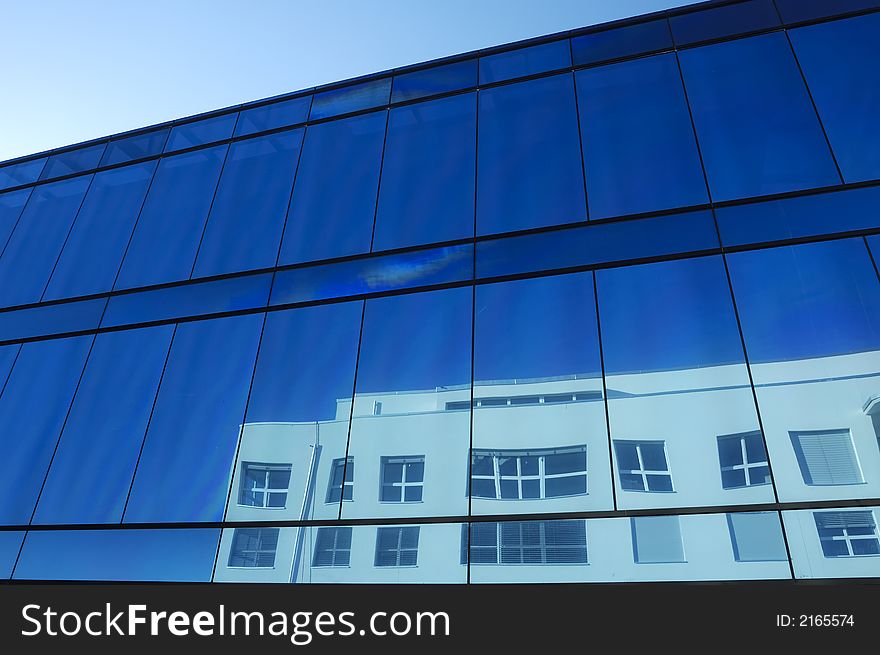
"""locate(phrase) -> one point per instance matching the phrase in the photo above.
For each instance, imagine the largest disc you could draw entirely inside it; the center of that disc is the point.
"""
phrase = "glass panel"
(538, 338)
(256, 183)
(797, 10)
(200, 132)
(837, 60)
(94, 248)
(33, 248)
(621, 42)
(73, 161)
(44, 320)
(529, 171)
(525, 61)
(21, 173)
(675, 373)
(434, 80)
(811, 320)
(323, 222)
(185, 468)
(366, 95)
(846, 548)
(33, 406)
(757, 537)
(127, 148)
(413, 382)
(10, 544)
(11, 206)
(299, 407)
(656, 539)
(95, 459)
(171, 222)
(119, 555)
(427, 190)
(713, 23)
(756, 126)
(273, 116)
(636, 165)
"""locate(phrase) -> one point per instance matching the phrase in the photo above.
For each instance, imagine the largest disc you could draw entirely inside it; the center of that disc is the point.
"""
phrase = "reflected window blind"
(827, 457)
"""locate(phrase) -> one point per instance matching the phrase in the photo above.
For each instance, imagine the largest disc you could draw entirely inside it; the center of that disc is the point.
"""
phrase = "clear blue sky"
(77, 70)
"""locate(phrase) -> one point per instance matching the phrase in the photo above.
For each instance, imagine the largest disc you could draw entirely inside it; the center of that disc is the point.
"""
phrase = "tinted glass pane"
(723, 21)
(184, 470)
(73, 161)
(10, 544)
(135, 147)
(656, 539)
(837, 60)
(33, 406)
(427, 191)
(123, 555)
(530, 172)
(201, 132)
(525, 61)
(94, 249)
(637, 161)
(366, 95)
(431, 81)
(93, 465)
(757, 128)
(797, 10)
(51, 319)
(171, 222)
(11, 206)
(621, 42)
(22, 173)
(33, 248)
(247, 217)
(270, 117)
(323, 222)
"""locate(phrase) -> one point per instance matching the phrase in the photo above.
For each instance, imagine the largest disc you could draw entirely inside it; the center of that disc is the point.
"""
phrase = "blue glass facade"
(599, 307)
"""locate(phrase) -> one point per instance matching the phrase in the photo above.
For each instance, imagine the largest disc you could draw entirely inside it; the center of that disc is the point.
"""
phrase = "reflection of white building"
(687, 438)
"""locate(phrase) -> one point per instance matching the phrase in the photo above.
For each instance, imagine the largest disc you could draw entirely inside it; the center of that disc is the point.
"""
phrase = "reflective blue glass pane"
(22, 173)
(837, 59)
(128, 148)
(200, 132)
(11, 206)
(366, 95)
(45, 320)
(596, 244)
(10, 544)
(33, 406)
(94, 462)
(298, 415)
(841, 549)
(805, 216)
(525, 61)
(322, 221)
(797, 10)
(434, 80)
(637, 161)
(171, 222)
(226, 295)
(427, 190)
(33, 248)
(73, 161)
(8, 354)
(621, 42)
(119, 555)
(530, 172)
(756, 126)
(275, 115)
(400, 271)
(93, 251)
(184, 469)
(399, 420)
(247, 217)
(713, 23)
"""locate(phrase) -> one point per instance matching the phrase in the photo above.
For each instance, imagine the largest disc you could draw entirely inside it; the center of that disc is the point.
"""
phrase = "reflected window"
(528, 474)
(254, 548)
(332, 547)
(743, 460)
(656, 539)
(398, 546)
(827, 457)
(529, 542)
(341, 485)
(265, 485)
(643, 465)
(847, 534)
(402, 479)
(756, 537)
